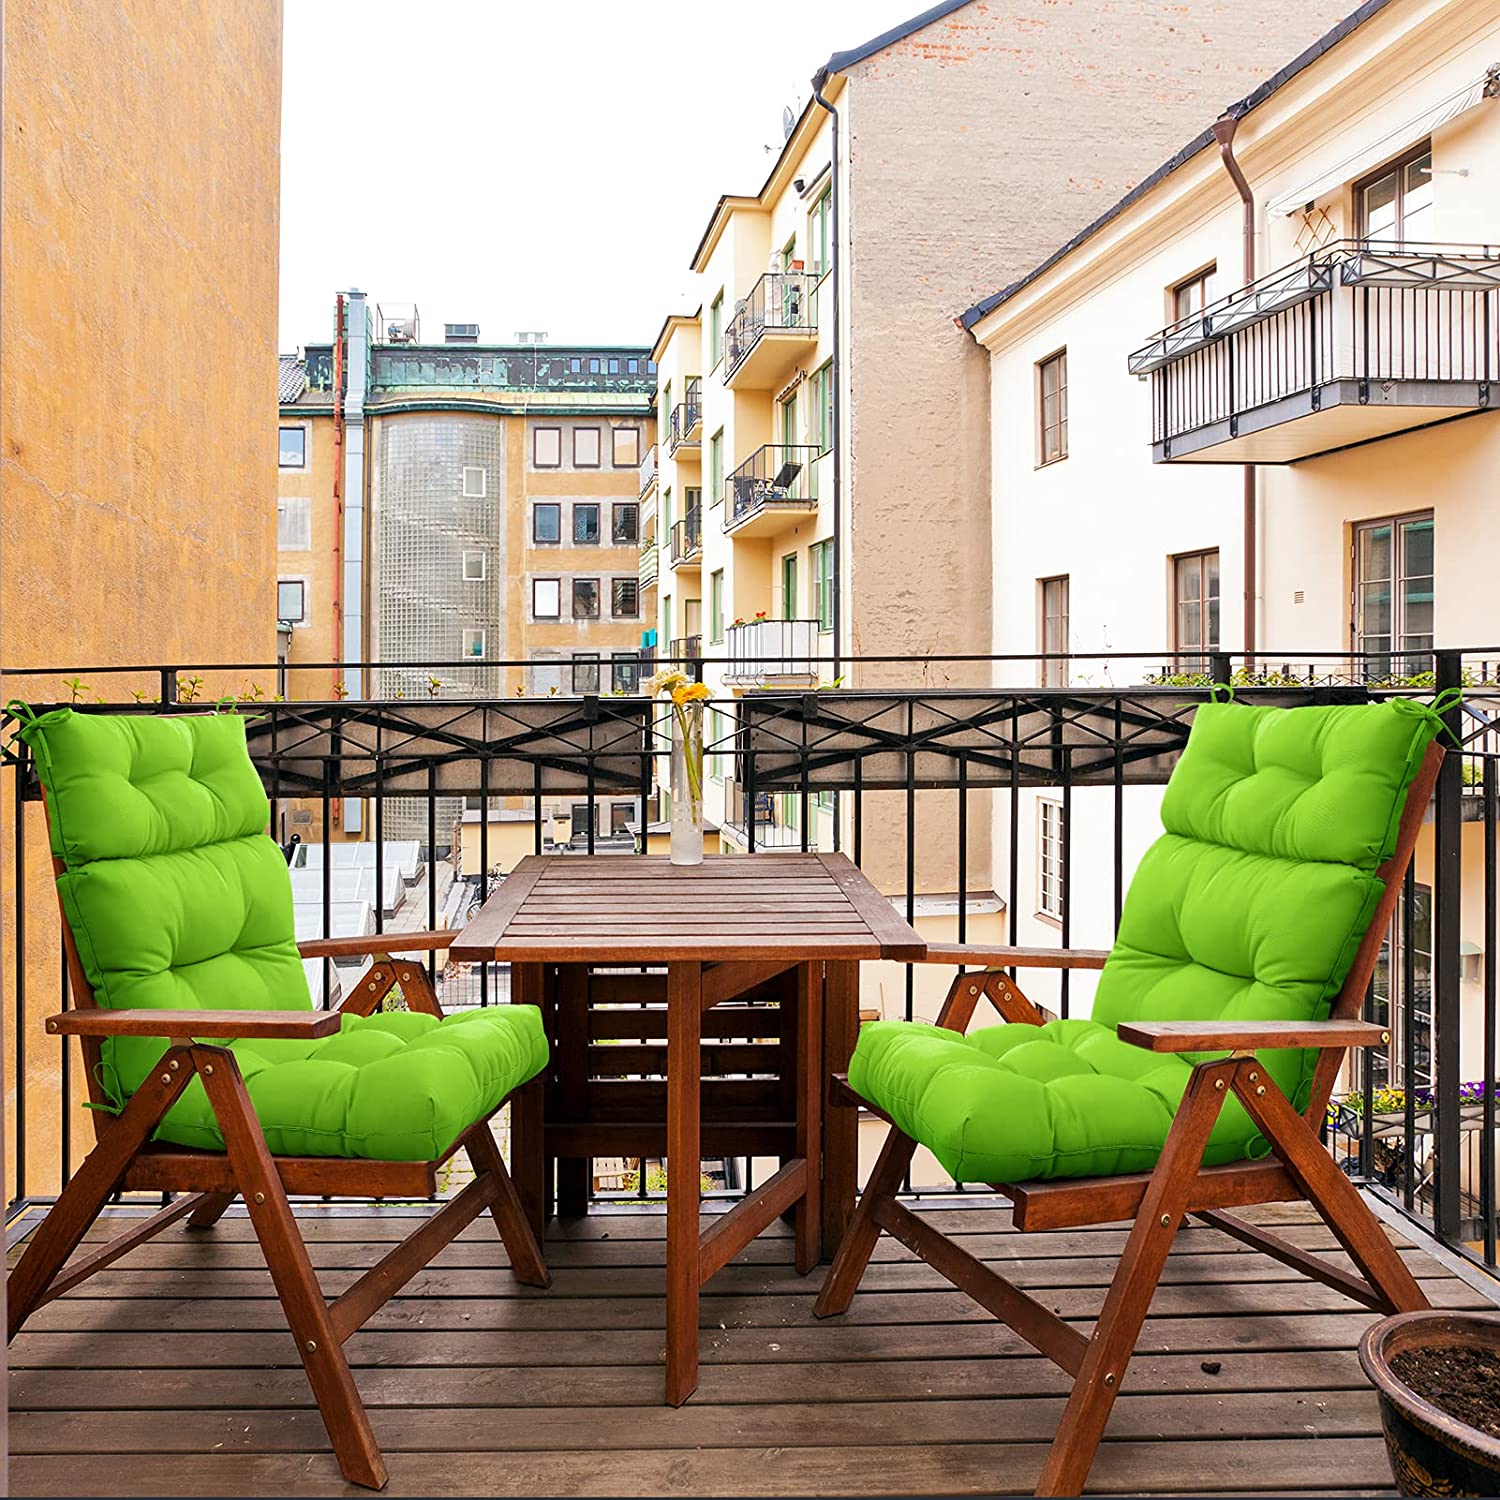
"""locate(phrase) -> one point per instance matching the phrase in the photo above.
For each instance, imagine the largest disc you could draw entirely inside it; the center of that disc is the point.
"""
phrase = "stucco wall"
(138, 284)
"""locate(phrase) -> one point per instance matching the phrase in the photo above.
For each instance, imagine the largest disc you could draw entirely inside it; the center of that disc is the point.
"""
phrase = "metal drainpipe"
(1224, 128)
(820, 78)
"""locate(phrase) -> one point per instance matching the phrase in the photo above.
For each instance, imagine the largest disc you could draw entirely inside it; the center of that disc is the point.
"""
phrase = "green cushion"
(1250, 906)
(178, 900)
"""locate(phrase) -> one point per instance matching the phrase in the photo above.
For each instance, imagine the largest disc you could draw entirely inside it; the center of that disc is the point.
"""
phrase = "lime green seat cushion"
(178, 900)
(1250, 906)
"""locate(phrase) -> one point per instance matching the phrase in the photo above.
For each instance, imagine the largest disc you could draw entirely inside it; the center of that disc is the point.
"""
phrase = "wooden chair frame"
(1159, 1201)
(124, 1157)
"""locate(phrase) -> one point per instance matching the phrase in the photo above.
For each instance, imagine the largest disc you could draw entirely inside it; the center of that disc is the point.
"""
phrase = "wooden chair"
(1156, 1202)
(125, 1157)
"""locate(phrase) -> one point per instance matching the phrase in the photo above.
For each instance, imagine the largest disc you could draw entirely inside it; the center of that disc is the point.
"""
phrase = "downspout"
(820, 79)
(1224, 128)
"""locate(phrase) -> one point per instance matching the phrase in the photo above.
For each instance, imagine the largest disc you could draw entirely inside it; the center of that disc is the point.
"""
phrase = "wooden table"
(789, 926)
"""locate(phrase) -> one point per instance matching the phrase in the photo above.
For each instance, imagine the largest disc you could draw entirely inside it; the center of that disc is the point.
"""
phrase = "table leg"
(572, 1064)
(840, 1126)
(684, 1170)
(807, 1219)
(528, 1145)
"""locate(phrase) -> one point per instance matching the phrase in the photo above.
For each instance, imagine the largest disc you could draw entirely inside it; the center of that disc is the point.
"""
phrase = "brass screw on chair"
(174, 1065)
(1110, 1378)
(1261, 1089)
(1165, 1220)
(208, 1067)
(260, 1197)
(1218, 1083)
(312, 1346)
(166, 1078)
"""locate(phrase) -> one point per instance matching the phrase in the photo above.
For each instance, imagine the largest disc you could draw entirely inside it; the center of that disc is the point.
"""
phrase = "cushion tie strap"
(1434, 712)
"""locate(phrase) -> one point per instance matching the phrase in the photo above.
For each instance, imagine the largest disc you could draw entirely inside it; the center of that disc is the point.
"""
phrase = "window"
(1393, 594)
(716, 331)
(626, 531)
(291, 600)
(473, 567)
(1194, 294)
(546, 674)
(546, 598)
(692, 500)
(625, 447)
(822, 407)
(293, 448)
(582, 816)
(716, 467)
(1049, 842)
(625, 671)
(1052, 408)
(789, 253)
(546, 447)
(593, 364)
(789, 586)
(1195, 607)
(786, 423)
(666, 513)
(586, 672)
(625, 599)
(820, 558)
(621, 814)
(294, 524)
(586, 448)
(1395, 205)
(474, 482)
(716, 605)
(1054, 629)
(473, 641)
(546, 522)
(820, 223)
(586, 525)
(585, 598)
(575, 366)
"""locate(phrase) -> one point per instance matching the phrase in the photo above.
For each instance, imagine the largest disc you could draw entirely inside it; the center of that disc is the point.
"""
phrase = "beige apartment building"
(1325, 392)
(441, 504)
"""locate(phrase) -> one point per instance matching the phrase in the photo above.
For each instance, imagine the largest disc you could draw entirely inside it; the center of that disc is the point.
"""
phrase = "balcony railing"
(771, 328)
(685, 426)
(650, 563)
(776, 478)
(771, 831)
(687, 538)
(648, 470)
(687, 653)
(761, 653)
(1358, 340)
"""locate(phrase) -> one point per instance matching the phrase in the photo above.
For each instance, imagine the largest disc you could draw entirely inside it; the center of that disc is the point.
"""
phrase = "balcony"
(1355, 342)
(648, 471)
(777, 482)
(650, 563)
(687, 539)
(772, 331)
(685, 426)
(771, 653)
(687, 652)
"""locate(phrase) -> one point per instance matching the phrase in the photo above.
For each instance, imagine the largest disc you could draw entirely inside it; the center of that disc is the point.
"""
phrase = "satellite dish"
(788, 122)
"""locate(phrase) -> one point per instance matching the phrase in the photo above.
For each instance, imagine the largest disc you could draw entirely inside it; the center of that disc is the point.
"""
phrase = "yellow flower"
(698, 692)
(668, 680)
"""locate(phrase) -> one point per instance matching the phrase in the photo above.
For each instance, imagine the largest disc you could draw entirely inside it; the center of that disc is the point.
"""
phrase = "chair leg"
(1125, 1305)
(68, 1220)
(210, 1211)
(858, 1243)
(291, 1270)
(510, 1216)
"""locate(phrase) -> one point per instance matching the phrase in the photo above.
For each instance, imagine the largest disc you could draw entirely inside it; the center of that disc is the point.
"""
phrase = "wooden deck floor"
(172, 1373)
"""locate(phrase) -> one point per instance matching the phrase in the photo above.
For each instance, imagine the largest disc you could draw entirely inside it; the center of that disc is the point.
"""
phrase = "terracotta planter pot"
(1431, 1453)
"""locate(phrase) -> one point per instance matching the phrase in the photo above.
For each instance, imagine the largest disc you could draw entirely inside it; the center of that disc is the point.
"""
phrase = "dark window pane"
(625, 603)
(627, 525)
(585, 598)
(546, 523)
(586, 525)
(585, 674)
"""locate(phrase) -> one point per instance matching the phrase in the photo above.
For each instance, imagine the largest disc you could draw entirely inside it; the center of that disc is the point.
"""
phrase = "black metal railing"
(1358, 310)
(777, 476)
(687, 651)
(780, 302)
(933, 791)
(684, 425)
(687, 536)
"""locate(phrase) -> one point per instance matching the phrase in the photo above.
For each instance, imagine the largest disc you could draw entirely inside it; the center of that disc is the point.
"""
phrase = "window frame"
(537, 614)
(1396, 166)
(582, 508)
(471, 632)
(1045, 456)
(583, 580)
(484, 566)
(300, 428)
(789, 585)
(292, 581)
(1050, 885)
(716, 331)
(583, 431)
(716, 606)
(634, 582)
(591, 663)
(536, 434)
(615, 434)
(463, 482)
(716, 467)
(1205, 646)
(538, 506)
(821, 581)
(626, 507)
(1200, 279)
(1054, 673)
(1397, 655)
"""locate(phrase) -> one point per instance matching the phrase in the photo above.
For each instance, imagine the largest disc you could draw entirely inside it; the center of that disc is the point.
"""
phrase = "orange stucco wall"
(138, 284)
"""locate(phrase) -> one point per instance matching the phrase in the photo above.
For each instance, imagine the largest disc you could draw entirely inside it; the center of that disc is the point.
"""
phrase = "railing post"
(1446, 1020)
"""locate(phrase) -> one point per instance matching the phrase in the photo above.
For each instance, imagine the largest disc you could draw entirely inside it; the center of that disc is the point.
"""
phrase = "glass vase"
(687, 784)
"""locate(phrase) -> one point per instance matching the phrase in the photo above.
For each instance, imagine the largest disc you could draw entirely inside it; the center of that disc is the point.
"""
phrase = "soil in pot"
(1459, 1379)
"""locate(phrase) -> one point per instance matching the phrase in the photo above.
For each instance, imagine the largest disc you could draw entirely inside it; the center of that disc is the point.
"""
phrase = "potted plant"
(1438, 1377)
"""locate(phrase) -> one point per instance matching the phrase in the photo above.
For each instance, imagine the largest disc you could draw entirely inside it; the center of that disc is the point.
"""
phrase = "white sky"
(530, 165)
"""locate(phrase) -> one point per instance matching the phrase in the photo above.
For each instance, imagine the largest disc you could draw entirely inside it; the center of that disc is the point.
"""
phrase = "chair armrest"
(1237, 1036)
(979, 955)
(306, 1024)
(378, 942)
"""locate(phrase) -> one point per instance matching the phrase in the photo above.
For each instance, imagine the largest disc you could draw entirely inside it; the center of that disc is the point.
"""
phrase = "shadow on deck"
(172, 1373)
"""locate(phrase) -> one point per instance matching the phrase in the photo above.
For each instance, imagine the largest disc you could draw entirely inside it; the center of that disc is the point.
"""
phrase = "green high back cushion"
(1250, 906)
(178, 900)
(176, 897)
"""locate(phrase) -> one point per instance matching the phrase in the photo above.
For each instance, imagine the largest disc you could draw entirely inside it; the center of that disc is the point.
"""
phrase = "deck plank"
(1246, 1380)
